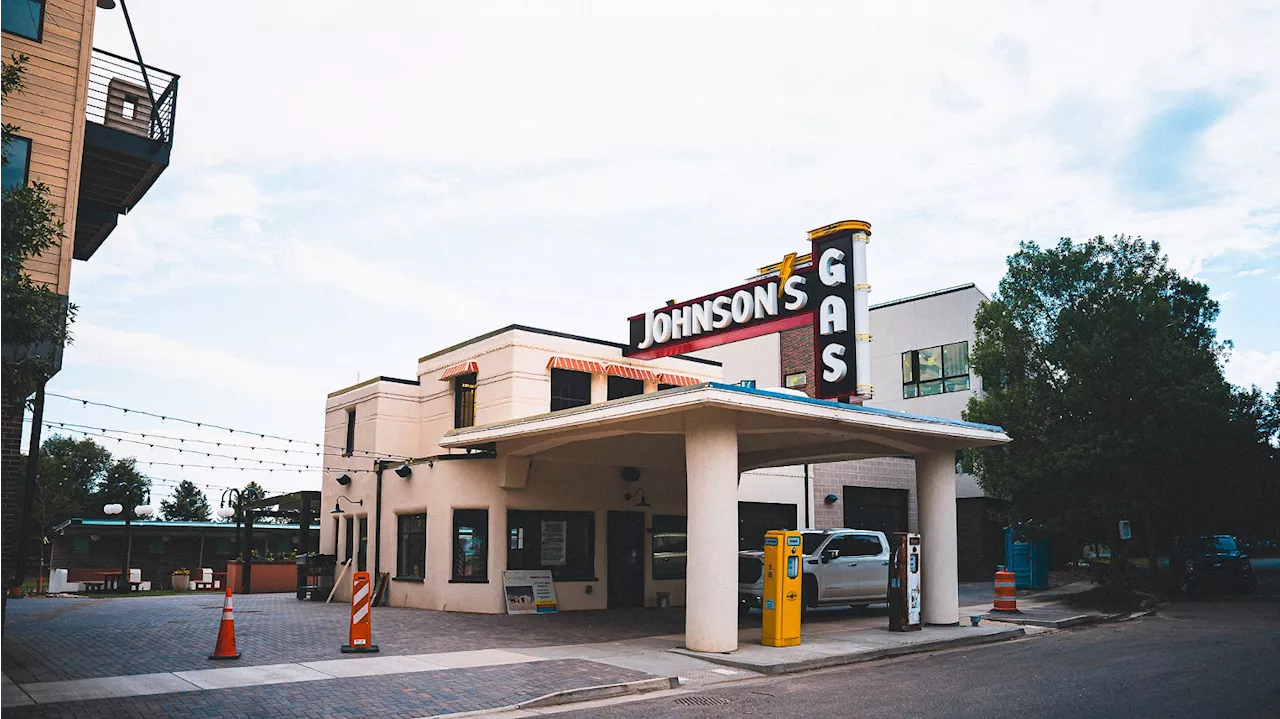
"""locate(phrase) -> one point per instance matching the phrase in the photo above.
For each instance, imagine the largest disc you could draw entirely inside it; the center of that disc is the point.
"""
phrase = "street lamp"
(141, 511)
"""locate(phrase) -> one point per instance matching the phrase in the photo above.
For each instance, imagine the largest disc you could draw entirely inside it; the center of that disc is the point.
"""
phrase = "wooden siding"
(51, 112)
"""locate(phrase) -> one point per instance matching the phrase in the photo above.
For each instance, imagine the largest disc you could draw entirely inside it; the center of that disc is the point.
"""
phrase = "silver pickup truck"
(842, 567)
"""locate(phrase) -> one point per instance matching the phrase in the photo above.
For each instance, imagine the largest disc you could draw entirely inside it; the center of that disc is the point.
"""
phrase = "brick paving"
(49, 639)
(395, 696)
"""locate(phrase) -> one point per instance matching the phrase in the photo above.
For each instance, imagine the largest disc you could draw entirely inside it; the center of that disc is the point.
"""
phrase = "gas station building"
(618, 466)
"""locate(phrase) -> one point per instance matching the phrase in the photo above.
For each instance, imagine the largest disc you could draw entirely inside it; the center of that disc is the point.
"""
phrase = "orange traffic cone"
(226, 648)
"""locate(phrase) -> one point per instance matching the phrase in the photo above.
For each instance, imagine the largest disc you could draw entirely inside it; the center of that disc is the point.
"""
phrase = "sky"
(349, 191)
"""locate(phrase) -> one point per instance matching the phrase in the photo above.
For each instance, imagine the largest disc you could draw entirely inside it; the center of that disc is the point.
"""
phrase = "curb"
(583, 694)
(836, 660)
(1064, 623)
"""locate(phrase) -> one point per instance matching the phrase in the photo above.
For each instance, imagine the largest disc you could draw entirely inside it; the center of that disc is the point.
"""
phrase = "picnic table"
(219, 579)
(112, 580)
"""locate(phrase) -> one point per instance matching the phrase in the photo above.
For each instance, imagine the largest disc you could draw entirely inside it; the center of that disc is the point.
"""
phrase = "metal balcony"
(128, 135)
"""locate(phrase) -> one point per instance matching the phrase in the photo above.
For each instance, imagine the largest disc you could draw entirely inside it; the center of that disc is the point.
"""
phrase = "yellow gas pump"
(783, 572)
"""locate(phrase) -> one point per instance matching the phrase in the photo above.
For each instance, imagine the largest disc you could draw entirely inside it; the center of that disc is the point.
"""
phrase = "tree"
(1103, 366)
(187, 503)
(122, 484)
(70, 472)
(35, 316)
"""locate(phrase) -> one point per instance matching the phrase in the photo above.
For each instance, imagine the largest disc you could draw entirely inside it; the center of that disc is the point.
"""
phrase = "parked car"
(1213, 562)
(842, 567)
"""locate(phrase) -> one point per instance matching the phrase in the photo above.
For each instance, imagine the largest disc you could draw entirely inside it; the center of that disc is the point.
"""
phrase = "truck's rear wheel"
(809, 592)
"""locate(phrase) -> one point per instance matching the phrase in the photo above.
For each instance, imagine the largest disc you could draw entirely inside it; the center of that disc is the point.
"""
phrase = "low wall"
(264, 578)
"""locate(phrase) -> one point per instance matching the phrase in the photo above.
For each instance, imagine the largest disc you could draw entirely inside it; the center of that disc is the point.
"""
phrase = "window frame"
(529, 557)
(402, 539)
(464, 400)
(674, 520)
(26, 166)
(911, 387)
(483, 525)
(362, 539)
(39, 38)
(804, 380)
(351, 432)
(568, 402)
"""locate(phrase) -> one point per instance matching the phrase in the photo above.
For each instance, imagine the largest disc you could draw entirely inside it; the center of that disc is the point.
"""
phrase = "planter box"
(180, 582)
(264, 578)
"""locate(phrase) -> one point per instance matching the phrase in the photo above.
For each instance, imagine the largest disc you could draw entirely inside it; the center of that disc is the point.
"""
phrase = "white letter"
(680, 323)
(798, 297)
(742, 306)
(833, 316)
(836, 369)
(648, 331)
(766, 299)
(830, 267)
(661, 328)
(701, 317)
(720, 308)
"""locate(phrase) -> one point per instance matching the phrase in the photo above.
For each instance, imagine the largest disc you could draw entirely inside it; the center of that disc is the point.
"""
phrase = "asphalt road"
(1211, 657)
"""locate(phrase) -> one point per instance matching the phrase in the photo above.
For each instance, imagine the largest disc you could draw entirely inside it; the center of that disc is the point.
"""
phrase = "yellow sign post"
(783, 572)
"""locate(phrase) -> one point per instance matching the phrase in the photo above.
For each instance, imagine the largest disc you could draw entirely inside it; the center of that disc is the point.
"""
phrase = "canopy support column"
(711, 457)
(936, 492)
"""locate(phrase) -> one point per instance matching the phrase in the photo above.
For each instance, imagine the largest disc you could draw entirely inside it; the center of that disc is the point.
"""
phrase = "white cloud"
(1251, 367)
(1251, 273)
(1224, 297)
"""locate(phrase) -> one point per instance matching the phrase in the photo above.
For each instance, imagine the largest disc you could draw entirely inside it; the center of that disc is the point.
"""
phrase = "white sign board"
(553, 543)
(529, 591)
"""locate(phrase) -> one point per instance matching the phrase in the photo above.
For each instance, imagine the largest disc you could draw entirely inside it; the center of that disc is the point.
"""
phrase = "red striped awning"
(678, 379)
(458, 369)
(621, 370)
(577, 365)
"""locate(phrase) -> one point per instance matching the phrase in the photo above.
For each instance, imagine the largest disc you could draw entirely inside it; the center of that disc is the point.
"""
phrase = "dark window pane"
(811, 540)
(955, 359)
(910, 390)
(362, 555)
(17, 155)
(666, 386)
(562, 542)
(351, 539)
(928, 388)
(23, 17)
(411, 545)
(930, 363)
(464, 400)
(569, 389)
(670, 546)
(620, 387)
(793, 381)
(471, 544)
(351, 430)
(79, 544)
(865, 545)
(957, 384)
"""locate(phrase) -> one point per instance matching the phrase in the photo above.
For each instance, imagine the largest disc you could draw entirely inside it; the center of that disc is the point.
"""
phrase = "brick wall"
(886, 472)
(796, 348)
(11, 483)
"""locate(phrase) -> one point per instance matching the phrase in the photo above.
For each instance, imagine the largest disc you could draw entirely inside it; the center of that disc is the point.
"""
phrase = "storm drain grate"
(698, 700)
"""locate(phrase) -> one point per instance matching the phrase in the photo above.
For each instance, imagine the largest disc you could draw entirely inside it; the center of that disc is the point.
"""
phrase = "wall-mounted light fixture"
(404, 471)
(644, 502)
(343, 479)
(630, 474)
(338, 510)
(431, 463)
(830, 499)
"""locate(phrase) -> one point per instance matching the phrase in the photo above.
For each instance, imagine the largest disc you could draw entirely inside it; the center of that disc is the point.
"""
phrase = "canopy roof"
(775, 428)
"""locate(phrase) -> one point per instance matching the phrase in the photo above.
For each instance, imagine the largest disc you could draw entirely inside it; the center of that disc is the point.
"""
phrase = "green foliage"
(123, 484)
(70, 473)
(35, 316)
(187, 503)
(1103, 366)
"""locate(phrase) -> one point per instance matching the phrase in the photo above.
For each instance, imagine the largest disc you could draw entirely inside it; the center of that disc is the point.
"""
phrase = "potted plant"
(181, 576)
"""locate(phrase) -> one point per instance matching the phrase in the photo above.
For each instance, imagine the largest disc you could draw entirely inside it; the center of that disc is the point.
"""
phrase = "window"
(796, 380)
(620, 387)
(351, 539)
(155, 546)
(470, 545)
(569, 389)
(935, 370)
(351, 432)
(224, 546)
(17, 161)
(411, 546)
(662, 386)
(854, 545)
(24, 18)
(670, 546)
(564, 542)
(464, 400)
(79, 544)
(363, 554)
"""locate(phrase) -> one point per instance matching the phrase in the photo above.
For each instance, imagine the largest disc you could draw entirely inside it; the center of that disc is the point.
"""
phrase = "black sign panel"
(831, 293)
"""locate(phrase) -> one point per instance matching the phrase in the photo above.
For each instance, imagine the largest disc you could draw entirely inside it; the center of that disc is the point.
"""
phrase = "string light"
(261, 448)
(207, 425)
(299, 467)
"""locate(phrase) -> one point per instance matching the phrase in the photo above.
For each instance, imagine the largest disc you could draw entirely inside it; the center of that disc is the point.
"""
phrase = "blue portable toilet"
(1027, 558)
